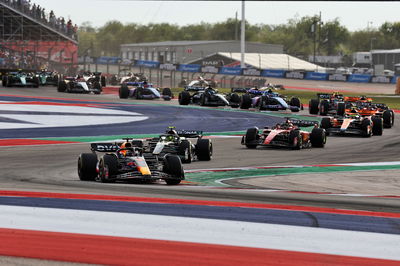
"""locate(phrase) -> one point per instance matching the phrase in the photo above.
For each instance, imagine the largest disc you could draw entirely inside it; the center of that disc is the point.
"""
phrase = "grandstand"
(33, 39)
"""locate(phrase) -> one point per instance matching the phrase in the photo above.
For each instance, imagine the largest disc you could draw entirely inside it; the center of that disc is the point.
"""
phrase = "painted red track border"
(194, 202)
(134, 251)
(30, 142)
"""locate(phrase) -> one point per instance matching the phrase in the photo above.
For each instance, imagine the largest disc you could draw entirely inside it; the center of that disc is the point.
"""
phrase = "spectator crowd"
(50, 19)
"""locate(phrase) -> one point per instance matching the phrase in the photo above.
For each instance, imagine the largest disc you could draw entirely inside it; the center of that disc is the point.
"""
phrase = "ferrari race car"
(48, 78)
(266, 99)
(79, 84)
(128, 161)
(207, 96)
(353, 123)
(143, 91)
(179, 143)
(20, 79)
(326, 104)
(287, 134)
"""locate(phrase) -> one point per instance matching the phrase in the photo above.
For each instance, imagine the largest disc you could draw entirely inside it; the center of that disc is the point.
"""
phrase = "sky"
(356, 15)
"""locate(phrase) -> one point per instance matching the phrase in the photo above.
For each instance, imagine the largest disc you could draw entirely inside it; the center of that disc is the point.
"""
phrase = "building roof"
(174, 43)
(394, 51)
(275, 61)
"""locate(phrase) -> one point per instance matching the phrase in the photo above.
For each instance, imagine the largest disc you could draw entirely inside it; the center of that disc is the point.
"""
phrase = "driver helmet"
(125, 145)
(353, 110)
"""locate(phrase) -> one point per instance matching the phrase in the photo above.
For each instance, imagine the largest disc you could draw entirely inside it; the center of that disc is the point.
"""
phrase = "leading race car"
(207, 96)
(48, 77)
(79, 84)
(353, 122)
(143, 91)
(128, 161)
(180, 143)
(267, 99)
(20, 79)
(287, 134)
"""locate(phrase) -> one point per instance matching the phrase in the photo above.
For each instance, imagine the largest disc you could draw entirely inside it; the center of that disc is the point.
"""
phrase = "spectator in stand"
(75, 29)
(62, 24)
(69, 27)
(52, 19)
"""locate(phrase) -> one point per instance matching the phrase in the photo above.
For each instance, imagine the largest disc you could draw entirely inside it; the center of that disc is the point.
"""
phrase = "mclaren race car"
(128, 161)
(287, 134)
(20, 79)
(48, 78)
(143, 91)
(353, 122)
(266, 99)
(179, 143)
(207, 96)
(79, 84)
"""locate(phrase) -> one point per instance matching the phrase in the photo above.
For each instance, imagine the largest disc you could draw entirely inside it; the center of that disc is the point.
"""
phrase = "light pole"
(243, 36)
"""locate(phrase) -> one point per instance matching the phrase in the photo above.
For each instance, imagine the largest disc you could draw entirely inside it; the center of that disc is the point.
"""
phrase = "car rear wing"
(190, 133)
(104, 147)
(373, 105)
(304, 123)
(240, 90)
(194, 88)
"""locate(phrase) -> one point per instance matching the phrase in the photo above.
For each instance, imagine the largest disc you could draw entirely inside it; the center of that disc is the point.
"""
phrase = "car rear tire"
(173, 167)
(235, 100)
(313, 107)
(251, 136)
(388, 118)
(341, 109)
(62, 86)
(324, 108)
(103, 81)
(185, 151)
(204, 149)
(108, 168)
(295, 102)
(377, 127)
(366, 128)
(184, 98)
(124, 91)
(97, 88)
(245, 101)
(87, 163)
(318, 137)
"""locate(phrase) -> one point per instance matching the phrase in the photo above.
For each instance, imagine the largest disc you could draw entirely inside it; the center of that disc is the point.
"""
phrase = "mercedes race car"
(79, 84)
(179, 143)
(128, 161)
(143, 91)
(268, 100)
(207, 96)
(20, 79)
(130, 77)
(287, 134)
(353, 123)
(326, 104)
(48, 78)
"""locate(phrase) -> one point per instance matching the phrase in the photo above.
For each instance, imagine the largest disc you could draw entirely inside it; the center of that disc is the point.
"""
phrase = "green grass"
(305, 96)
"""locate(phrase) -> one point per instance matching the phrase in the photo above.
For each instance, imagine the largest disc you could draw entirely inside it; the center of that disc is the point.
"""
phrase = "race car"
(93, 77)
(130, 77)
(79, 84)
(267, 99)
(128, 161)
(48, 78)
(287, 134)
(353, 122)
(20, 79)
(179, 143)
(143, 91)
(199, 82)
(326, 104)
(207, 96)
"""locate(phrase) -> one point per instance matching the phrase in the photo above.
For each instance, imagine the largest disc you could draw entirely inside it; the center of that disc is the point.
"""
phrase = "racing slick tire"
(185, 151)
(204, 149)
(251, 136)
(295, 139)
(97, 88)
(36, 81)
(318, 137)
(366, 128)
(324, 107)
(62, 86)
(184, 98)
(388, 118)
(341, 109)
(234, 100)
(377, 127)
(295, 102)
(245, 101)
(326, 124)
(108, 167)
(167, 94)
(103, 81)
(203, 99)
(173, 167)
(4, 81)
(261, 103)
(124, 91)
(87, 163)
(313, 106)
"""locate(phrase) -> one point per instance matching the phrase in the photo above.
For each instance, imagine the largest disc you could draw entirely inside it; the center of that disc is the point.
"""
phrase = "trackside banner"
(189, 68)
(381, 79)
(209, 69)
(144, 63)
(251, 72)
(230, 71)
(294, 75)
(273, 73)
(394, 79)
(361, 78)
(337, 77)
(316, 76)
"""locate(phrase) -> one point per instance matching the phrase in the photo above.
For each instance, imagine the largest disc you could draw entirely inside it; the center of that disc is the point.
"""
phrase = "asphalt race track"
(52, 167)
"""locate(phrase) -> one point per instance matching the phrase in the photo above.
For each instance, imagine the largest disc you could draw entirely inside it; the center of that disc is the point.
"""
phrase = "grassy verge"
(305, 96)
